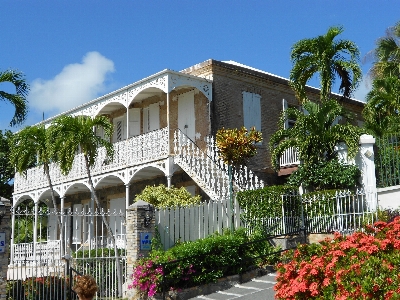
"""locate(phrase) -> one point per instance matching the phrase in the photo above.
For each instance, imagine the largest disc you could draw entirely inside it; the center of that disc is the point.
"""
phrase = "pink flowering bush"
(364, 265)
(146, 276)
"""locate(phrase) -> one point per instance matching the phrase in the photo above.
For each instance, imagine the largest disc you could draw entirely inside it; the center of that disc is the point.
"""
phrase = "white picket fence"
(344, 212)
(195, 222)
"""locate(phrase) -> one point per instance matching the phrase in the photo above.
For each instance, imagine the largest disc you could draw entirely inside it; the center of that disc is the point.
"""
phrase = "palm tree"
(30, 146)
(72, 134)
(329, 58)
(18, 100)
(382, 111)
(387, 54)
(314, 135)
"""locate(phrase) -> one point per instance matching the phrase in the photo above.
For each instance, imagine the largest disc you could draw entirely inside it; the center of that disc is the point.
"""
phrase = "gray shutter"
(134, 122)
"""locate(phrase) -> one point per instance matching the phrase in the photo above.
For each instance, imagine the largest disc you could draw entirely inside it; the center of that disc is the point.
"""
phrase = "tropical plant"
(237, 145)
(326, 175)
(6, 169)
(18, 100)
(329, 58)
(315, 134)
(382, 111)
(25, 219)
(70, 135)
(387, 54)
(161, 196)
(29, 146)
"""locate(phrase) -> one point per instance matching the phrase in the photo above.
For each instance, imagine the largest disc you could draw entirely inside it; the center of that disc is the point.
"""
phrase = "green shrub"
(162, 196)
(262, 208)
(325, 176)
(202, 261)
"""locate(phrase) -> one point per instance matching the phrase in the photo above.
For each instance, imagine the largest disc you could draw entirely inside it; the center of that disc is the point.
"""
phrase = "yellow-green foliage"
(237, 145)
(162, 197)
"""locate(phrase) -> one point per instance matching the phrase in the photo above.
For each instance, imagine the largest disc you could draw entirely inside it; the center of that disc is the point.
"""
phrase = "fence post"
(366, 164)
(140, 228)
(5, 227)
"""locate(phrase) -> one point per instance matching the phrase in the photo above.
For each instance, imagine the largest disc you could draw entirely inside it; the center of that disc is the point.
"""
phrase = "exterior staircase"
(209, 171)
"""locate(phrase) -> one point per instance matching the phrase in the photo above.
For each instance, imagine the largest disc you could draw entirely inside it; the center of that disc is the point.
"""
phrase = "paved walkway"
(260, 288)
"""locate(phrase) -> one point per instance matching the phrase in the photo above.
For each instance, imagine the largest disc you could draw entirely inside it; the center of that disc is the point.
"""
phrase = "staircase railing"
(208, 170)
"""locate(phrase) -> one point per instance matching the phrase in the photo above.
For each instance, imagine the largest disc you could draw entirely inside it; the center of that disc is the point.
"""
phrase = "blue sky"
(74, 51)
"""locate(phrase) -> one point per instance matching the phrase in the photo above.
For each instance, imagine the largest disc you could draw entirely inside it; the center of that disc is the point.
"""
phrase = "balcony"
(131, 152)
(288, 162)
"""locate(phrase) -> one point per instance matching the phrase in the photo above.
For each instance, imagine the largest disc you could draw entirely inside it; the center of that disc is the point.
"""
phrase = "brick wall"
(229, 81)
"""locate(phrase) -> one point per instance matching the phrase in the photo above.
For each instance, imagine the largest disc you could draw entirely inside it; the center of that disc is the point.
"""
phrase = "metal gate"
(41, 263)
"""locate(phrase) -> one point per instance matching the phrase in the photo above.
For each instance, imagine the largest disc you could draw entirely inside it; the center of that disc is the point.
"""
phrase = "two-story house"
(163, 129)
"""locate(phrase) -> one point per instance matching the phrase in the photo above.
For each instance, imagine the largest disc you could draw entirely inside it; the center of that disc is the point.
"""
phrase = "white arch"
(21, 198)
(98, 179)
(152, 165)
(101, 105)
(81, 182)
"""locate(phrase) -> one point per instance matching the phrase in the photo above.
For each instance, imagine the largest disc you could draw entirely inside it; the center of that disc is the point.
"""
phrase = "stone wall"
(137, 233)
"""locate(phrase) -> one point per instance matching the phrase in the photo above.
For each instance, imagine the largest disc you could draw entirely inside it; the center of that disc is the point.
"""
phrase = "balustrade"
(208, 170)
(134, 151)
(290, 157)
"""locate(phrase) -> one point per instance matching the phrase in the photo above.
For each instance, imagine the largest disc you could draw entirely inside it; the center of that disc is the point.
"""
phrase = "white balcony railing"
(46, 253)
(290, 157)
(134, 151)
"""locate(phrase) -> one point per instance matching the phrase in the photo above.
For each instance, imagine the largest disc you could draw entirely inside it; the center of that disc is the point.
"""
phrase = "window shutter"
(154, 116)
(252, 110)
(134, 122)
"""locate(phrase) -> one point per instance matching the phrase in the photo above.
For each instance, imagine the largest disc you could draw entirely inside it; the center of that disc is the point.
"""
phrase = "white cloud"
(74, 85)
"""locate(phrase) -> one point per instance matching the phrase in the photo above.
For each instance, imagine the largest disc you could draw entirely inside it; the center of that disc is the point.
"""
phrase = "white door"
(52, 225)
(77, 224)
(186, 117)
(134, 122)
(117, 212)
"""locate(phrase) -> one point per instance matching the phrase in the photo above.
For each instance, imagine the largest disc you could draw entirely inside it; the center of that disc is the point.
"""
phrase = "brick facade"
(230, 80)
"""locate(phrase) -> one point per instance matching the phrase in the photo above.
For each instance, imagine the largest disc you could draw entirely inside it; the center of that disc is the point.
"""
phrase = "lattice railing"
(131, 152)
(208, 170)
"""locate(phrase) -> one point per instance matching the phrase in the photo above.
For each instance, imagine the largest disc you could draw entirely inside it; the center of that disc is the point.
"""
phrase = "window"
(151, 117)
(251, 110)
(289, 123)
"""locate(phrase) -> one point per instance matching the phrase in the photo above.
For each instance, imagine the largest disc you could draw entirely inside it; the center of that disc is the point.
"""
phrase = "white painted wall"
(389, 197)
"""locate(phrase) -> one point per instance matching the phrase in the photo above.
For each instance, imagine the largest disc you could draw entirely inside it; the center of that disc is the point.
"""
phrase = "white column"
(365, 161)
(12, 233)
(62, 236)
(35, 228)
(170, 169)
(168, 119)
(127, 123)
(127, 195)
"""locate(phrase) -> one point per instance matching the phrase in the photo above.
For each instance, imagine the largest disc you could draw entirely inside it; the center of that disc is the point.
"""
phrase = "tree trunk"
(53, 198)
(94, 196)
